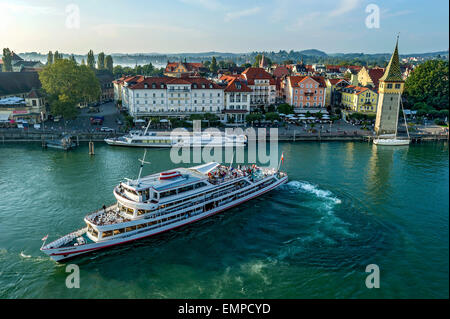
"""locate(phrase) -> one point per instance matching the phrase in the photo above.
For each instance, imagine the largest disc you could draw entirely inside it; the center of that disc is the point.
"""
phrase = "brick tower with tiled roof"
(390, 90)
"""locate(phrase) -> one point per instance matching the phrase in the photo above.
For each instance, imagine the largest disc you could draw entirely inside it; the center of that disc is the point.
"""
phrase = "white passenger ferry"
(165, 139)
(160, 202)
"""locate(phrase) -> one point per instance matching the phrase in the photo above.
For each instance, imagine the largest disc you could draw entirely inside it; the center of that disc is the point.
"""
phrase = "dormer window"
(145, 85)
(153, 85)
(210, 86)
(203, 86)
(195, 85)
(162, 86)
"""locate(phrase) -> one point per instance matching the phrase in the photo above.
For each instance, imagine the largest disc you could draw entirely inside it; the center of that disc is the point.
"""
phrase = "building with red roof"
(168, 96)
(237, 101)
(263, 87)
(370, 76)
(359, 98)
(305, 91)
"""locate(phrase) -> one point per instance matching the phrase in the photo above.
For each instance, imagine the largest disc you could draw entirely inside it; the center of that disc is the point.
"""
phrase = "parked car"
(57, 118)
(106, 129)
(97, 120)
(37, 126)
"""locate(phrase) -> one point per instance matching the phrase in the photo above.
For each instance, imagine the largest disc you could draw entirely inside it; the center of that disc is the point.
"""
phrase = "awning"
(205, 168)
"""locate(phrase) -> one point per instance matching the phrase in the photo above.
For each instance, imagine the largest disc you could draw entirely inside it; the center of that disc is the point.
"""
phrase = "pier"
(8, 135)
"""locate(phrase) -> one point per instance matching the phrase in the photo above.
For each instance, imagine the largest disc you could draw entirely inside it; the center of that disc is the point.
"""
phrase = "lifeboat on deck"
(169, 175)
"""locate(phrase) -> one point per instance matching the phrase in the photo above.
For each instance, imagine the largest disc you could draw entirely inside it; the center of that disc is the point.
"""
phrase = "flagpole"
(45, 240)
(232, 158)
(279, 162)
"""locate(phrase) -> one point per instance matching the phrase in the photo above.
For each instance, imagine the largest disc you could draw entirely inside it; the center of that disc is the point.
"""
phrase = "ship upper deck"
(172, 178)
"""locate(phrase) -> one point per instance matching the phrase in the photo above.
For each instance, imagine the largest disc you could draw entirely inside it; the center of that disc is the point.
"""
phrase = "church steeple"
(393, 73)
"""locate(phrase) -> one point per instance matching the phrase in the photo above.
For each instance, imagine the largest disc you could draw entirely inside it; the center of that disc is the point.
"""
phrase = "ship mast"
(143, 158)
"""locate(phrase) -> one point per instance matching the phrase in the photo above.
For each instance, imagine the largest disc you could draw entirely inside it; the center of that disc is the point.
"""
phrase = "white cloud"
(344, 7)
(243, 13)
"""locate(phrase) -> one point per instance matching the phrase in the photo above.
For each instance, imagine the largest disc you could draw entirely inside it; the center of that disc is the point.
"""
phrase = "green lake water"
(347, 205)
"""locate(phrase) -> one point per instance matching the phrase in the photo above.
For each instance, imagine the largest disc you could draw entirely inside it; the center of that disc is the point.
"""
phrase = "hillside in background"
(309, 56)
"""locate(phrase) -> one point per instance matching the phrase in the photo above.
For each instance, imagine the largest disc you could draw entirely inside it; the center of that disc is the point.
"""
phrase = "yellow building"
(359, 99)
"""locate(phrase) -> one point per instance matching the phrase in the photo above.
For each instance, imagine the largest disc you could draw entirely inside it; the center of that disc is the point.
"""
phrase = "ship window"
(107, 233)
(119, 231)
(141, 226)
(130, 211)
(131, 228)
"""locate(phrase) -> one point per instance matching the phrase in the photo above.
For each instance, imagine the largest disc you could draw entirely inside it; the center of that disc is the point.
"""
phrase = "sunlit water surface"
(347, 205)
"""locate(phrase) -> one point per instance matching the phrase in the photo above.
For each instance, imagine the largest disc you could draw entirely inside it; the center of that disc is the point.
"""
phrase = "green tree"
(109, 63)
(428, 83)
(213, 67)
(68, 84)
(272, 116)
(101, 61)
(285, 108)
(7, 60)
(253, 117)
(49, 58)
(56, 56)
(90, 59)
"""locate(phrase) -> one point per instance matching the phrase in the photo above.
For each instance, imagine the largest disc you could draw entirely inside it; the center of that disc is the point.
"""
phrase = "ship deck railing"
(111, 209)
(65, 239)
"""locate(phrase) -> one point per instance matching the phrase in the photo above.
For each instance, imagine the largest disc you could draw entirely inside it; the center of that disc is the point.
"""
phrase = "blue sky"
(171, 26)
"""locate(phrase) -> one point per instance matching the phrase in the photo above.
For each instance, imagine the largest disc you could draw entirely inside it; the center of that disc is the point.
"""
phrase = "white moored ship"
(163, 139)
(163, 201)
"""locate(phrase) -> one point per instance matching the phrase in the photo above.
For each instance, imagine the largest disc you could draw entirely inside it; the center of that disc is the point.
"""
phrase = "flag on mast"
(45, 237)
(282, 157)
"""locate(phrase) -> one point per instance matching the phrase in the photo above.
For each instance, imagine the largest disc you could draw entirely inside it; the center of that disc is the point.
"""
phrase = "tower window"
(397, 86)
(389, 86)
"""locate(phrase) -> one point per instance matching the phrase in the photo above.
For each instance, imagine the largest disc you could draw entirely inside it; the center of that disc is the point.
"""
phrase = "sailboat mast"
(404, 118)
(398, 110)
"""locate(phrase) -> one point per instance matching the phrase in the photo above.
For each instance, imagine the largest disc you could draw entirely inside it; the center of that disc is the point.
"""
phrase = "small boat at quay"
(65, 143)
(160, 202)
(181, 139)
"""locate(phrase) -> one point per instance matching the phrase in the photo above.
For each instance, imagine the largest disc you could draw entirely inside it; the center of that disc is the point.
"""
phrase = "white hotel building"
(159, 96)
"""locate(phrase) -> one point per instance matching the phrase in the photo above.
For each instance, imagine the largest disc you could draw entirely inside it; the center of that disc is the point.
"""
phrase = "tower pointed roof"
(393, 72)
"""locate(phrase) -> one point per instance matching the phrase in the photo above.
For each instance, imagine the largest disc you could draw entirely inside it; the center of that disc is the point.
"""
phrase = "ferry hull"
(148, 145)
(62, 254)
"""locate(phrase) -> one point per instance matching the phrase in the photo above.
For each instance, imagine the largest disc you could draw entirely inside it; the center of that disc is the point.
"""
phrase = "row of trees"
(213, 65)
(146, 69)
(104, 62)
